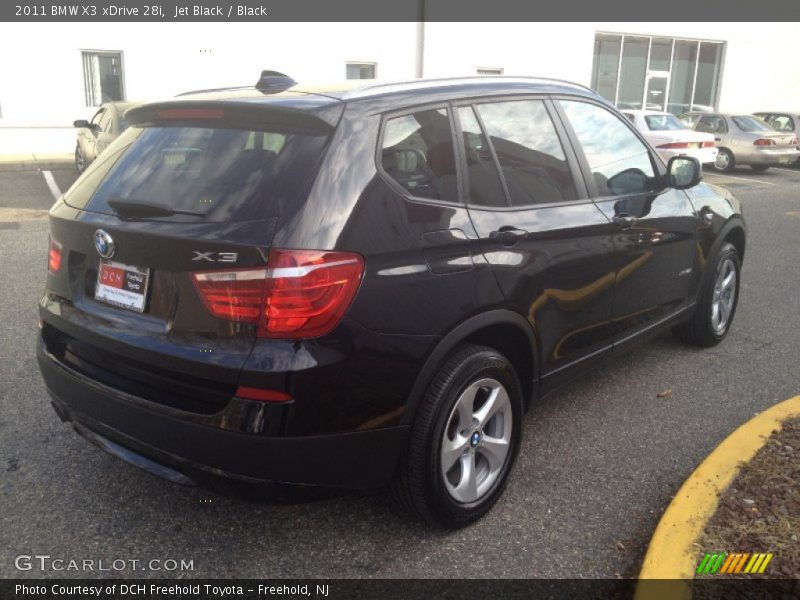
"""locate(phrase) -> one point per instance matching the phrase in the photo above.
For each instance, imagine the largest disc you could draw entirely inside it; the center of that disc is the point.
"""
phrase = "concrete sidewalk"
(36, 161)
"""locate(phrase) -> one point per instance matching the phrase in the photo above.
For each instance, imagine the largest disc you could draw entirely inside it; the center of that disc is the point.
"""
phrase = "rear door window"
(711, 124)
(750, 124)
(663, 123)
(217, 173)
(529, 151)
(417, 153)
(483, 178)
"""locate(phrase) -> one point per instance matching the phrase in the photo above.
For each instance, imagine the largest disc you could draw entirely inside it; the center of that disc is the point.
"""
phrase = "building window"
(362, 70)
(490, 71)
(102, 77)
(657, 73)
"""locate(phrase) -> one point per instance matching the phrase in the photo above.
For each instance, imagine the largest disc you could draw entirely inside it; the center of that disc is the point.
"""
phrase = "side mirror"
(81, 123)
(629, 181)
(684, 172)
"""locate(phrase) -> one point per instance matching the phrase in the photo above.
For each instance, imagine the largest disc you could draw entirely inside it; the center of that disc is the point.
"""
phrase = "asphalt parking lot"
(599, 463)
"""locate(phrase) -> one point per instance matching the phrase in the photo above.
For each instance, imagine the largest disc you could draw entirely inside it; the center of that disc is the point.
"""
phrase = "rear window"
(220, 174)
(750, 124)
(663, 123)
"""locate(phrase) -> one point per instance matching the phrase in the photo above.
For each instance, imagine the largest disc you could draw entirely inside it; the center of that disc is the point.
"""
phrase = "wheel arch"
(504, 330)
(735, 235)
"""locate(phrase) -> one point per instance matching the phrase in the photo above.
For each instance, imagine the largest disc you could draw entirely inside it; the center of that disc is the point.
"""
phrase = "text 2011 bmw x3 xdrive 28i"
(366, 287)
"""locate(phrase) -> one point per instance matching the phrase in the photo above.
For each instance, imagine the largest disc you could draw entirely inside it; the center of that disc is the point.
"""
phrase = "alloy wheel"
(80, 162)
(722, 161)
(724, 296)
(476, 440)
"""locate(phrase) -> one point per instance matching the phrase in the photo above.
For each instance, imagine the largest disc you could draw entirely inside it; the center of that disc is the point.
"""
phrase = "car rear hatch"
(191, 192)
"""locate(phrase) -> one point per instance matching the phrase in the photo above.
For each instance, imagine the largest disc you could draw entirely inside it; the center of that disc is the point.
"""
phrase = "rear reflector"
(708, 144)
(190, 113)
(302, 293)
(674, 145)
(54, 256)
(251, 393)
(764, 142)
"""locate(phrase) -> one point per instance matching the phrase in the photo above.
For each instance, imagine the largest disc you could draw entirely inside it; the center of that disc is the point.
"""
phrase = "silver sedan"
(745, 140)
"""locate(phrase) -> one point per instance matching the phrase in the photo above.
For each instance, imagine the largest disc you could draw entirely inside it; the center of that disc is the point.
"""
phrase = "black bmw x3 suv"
(366, 287)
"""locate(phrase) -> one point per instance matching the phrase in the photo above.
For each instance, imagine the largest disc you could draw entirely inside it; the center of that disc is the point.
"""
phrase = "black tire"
(759, 168)
(700, 330)
(728, 166)
(80, 159)
(419, 485)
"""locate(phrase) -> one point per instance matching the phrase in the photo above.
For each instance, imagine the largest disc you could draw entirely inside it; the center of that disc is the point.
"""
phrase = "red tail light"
(793, 140)
(190, 113)
(54, 256)
(675, 145)
(708, 144)
(235, 294)
(302, 293)
(263, 395)
(764, 142)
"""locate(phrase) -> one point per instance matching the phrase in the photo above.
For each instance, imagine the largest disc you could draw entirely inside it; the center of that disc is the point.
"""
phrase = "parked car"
(785, 122)
(670, 137)
(95, 135)
(744, 140)
(358, 287)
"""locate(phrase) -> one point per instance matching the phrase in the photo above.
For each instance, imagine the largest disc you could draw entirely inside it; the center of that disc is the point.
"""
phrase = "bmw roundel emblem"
(104, 244)
(474, 439)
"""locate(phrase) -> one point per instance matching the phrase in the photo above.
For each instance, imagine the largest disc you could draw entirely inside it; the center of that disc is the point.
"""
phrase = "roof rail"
(373, 87)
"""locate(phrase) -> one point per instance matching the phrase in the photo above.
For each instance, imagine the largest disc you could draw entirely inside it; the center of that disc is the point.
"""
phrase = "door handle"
(716, 139)
(507, 235)
(625, 221)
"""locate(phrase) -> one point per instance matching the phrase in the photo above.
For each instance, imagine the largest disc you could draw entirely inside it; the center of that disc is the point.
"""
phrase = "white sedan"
(671, 138)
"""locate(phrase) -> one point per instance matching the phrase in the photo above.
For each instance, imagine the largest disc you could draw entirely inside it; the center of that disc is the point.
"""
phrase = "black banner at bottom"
(390, 589)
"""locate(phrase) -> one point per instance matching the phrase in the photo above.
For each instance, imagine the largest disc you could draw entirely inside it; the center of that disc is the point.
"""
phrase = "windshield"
(747, 123)
(662, 122)
(222, 174)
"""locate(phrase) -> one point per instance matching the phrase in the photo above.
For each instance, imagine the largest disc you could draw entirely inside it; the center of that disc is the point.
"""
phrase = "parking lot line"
(742, 179)
(51, 183)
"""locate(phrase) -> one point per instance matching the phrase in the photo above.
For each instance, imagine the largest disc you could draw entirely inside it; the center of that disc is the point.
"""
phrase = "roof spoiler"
(233, 114)
(272, 82)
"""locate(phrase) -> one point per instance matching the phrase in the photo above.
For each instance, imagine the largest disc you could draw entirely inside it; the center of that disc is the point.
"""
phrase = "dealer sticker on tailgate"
(122, 285)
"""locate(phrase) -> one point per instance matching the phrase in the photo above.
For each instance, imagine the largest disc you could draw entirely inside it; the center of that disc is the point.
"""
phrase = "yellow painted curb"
(671, 554)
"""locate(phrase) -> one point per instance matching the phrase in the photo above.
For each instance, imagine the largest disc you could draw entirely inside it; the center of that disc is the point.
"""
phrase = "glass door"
(655, 95)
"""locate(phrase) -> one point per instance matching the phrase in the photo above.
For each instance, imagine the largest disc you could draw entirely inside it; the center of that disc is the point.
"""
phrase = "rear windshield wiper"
(139, 208)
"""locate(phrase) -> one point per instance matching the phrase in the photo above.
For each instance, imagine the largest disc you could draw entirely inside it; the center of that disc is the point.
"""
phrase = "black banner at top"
(394, 10)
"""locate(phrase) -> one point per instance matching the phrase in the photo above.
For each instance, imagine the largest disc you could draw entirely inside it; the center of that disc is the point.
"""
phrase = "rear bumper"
(769, 157)
(352, 460)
